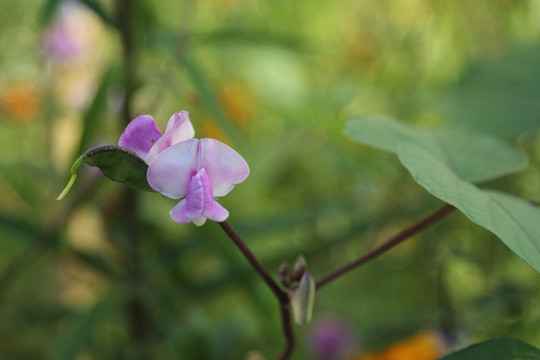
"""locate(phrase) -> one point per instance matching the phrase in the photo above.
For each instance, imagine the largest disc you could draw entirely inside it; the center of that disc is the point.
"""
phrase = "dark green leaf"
(96, 113)
(97, 262)
(47, 11)
(251, 37)
(513, 220)
(497, 349)
(473, 157)
(98, 10)
(117, 163)
(81, 328)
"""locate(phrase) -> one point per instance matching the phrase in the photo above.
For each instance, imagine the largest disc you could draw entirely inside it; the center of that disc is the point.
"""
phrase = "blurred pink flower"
(59, 44)
(331, 339)
(67, 37)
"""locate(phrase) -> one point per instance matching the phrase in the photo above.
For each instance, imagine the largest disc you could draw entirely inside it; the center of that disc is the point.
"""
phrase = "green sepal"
(115, 162)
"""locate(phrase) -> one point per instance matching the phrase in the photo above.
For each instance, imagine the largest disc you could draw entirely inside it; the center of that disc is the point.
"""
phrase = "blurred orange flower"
(210, 129)
(21, 101)
(236, 98)
(427, 345)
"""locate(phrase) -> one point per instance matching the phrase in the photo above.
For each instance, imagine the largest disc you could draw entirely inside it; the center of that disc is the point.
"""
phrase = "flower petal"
(199, 221)
(224, 166)
(140, 135)
(190, 208)
(171, 171)
(178, 118)
(179, 129)
(215, 212)
(211, 209)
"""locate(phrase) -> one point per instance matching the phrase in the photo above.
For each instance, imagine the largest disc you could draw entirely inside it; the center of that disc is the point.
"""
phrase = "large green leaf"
(117, 163)
(515, 221)
(497, 349)
(473, 157)
(498, 96)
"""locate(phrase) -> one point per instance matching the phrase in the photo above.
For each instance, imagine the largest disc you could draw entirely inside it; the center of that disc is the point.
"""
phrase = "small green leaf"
(302, 299)
(117, 163)
(515, 221)
(473, 157)
(497, 349)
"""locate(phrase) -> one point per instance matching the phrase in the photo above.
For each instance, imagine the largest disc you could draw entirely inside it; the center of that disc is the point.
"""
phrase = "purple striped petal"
(224, 166)
(140, 135)
(211, 209)
(170, 173)
(190, 208)
(179, 129)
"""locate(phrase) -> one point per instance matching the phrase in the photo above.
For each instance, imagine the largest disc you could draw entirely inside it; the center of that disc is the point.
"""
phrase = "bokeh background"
(99, 276)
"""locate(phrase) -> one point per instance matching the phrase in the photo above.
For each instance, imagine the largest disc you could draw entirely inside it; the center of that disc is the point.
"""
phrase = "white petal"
(199, 221)
(224, 166)
(179, 129)
(171, 171)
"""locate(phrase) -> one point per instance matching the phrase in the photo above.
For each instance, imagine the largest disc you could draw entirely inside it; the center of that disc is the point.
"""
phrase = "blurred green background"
(275, 80)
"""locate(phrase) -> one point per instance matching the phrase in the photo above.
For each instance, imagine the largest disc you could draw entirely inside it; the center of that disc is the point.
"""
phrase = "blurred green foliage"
(275, 80)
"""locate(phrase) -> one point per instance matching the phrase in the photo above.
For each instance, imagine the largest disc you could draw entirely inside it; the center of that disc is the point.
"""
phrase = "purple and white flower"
(181, 167)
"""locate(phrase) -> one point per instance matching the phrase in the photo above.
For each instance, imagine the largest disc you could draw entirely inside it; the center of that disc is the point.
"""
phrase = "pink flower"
(196, 171)
(143, 137)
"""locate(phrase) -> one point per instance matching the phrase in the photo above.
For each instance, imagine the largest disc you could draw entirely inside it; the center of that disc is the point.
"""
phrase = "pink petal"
(170, 173)
(190, 208)
(215, 212)
(179, 129)
(177, 118)
(224, 166)
(211, 209)
(140, 135)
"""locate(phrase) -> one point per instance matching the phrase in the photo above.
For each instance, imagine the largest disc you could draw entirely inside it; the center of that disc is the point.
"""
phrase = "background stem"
(138, 318)
(387, 245)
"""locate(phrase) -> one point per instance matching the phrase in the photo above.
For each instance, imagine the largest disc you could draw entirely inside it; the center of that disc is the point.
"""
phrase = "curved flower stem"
(281, 295)
(387, 245)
